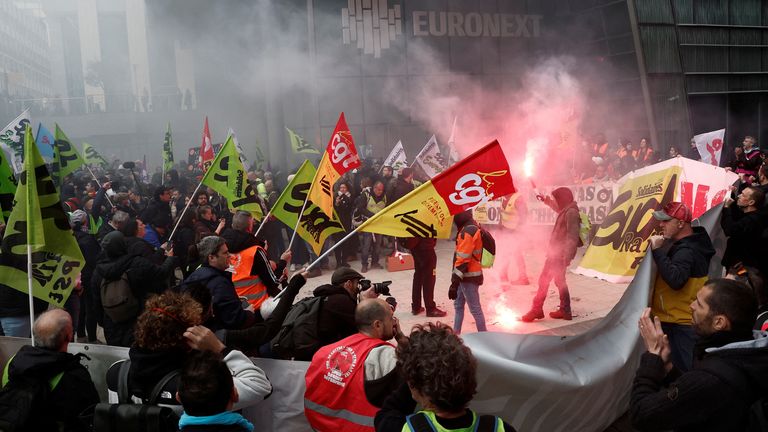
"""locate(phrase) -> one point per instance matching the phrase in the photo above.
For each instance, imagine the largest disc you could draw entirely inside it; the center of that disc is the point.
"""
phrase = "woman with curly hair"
(440, 375)
(167, 332)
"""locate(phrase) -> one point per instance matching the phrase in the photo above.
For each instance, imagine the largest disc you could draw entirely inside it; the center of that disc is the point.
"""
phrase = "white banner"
(429, 159)
(243, 159)
(710, 146)
(396, 158)
(12, 141)
(488, 213)
(594, 199)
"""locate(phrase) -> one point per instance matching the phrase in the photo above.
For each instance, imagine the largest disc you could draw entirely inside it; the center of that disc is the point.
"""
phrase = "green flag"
(299, 145)
(66, 159)
(7, 187)
(260, 159)
(167, 151)
(227, 177)
(315, 226)
(92, 157)
(38, 220)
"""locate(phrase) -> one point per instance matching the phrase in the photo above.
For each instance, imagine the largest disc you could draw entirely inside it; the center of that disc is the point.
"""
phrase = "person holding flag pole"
(427, 212)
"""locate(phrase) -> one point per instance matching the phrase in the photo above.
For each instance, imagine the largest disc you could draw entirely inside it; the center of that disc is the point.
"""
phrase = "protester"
(355, 374)
(744, 228)
(682, 254)
(563, 243)
(71, 389)
(206, 225)
(514, 217)
(90, 314)
(440, 376)
(344, 204)
(728, 372)
(159, 206)
(371, 201)
(467, 275)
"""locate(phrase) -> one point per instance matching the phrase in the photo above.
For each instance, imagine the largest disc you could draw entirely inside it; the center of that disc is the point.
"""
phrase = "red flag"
(340, 156)
(206, 148)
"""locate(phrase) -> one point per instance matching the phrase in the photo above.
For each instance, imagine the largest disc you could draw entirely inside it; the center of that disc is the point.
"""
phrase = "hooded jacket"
(715, 395)
(682, 271)
(228, 312)
(75, 391)
(564, 240)
(469, 250)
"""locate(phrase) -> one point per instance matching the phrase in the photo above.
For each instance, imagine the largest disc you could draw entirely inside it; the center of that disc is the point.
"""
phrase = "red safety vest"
(247, 285)
(335, 398)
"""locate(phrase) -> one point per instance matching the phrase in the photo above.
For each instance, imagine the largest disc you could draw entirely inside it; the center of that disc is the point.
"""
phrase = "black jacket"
(337, 316)
(149, 367)
(400, 189)
(228, 312)
(686, 258)
(157, 210)
(90, 249)
(75, 391)
(715, 395)
(745, 242)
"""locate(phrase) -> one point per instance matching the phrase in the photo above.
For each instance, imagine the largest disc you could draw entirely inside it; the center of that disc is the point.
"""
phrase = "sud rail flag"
(299, 145)
(92, 157)
(7, 187)
(38, 220)
(206, 148)
(66, 158)
(396, 158)
(339, 157)
(710, 146)
(12, 140)
(428, 210)
(315, 226)
(227, 177)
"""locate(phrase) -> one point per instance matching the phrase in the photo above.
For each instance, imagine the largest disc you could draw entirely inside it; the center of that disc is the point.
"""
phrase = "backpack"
(489, 248)
(118, 300)
(127, 416)
(298, 337)
(22, 398)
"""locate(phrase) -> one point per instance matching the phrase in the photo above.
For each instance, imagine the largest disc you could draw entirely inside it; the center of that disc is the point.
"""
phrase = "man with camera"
(348, 380)
(337, 315)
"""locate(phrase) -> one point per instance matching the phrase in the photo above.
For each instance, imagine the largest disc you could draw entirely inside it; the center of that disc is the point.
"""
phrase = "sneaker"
(436, 313)
(520, 281)
(562, 314)
(376, 266)
(417, 310)
(532, 314)
(364, 269)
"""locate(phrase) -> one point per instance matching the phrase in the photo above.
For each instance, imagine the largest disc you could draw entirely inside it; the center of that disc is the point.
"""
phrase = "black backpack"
(118, 300)
(298, 337)
(22, 401)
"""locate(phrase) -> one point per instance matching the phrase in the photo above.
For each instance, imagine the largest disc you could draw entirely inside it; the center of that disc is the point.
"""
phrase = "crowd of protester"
(215, 294)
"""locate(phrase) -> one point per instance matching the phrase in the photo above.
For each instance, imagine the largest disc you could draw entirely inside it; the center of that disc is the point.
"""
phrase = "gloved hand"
(453, 290)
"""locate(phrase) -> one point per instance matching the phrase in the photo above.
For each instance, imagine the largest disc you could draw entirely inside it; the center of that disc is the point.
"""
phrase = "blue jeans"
(16, 326)
(682, 338)
(468, 293)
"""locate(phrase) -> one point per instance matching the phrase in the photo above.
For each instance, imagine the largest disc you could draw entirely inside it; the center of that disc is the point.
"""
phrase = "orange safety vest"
(246, 284)
(335, 397)
(469, 249)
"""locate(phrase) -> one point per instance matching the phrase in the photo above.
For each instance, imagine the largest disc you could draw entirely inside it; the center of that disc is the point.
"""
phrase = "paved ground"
(591, 299)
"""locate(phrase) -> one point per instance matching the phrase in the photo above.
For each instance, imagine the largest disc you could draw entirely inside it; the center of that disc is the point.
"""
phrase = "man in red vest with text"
(348, 380)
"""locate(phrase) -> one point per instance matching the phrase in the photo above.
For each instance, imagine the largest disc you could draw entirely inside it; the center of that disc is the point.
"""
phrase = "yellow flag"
(227, 177)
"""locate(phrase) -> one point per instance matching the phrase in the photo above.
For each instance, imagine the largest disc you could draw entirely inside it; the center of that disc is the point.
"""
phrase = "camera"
(378, 287)
(129, 165)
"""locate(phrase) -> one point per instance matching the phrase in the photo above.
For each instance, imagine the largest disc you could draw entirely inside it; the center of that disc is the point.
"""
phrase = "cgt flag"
(227, 177)
(66, 159)
(206, 148)
(315, 226)
(167, 151)
(38, 220)
(299, 145)
(339, 157)
(710, 146)
(428, 210)
(92, 157)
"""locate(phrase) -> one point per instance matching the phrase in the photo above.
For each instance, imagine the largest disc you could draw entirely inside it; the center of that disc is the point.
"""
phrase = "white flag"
(12, 140)
(430, 160)
(453, 155)
(710, 146)
(243, 159)
(396, 158)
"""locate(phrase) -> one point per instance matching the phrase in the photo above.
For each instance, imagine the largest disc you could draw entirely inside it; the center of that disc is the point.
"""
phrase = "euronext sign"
(475, 24)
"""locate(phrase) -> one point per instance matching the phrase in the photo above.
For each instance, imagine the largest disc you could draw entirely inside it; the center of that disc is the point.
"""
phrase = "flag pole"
(178, 221)
(97, 181)
(330, 249)
(29, 285)
(264, 221)
(298, 221)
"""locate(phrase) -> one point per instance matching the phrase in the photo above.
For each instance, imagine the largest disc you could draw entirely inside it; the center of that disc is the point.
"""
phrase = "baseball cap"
(674, 210)
(344, 274)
